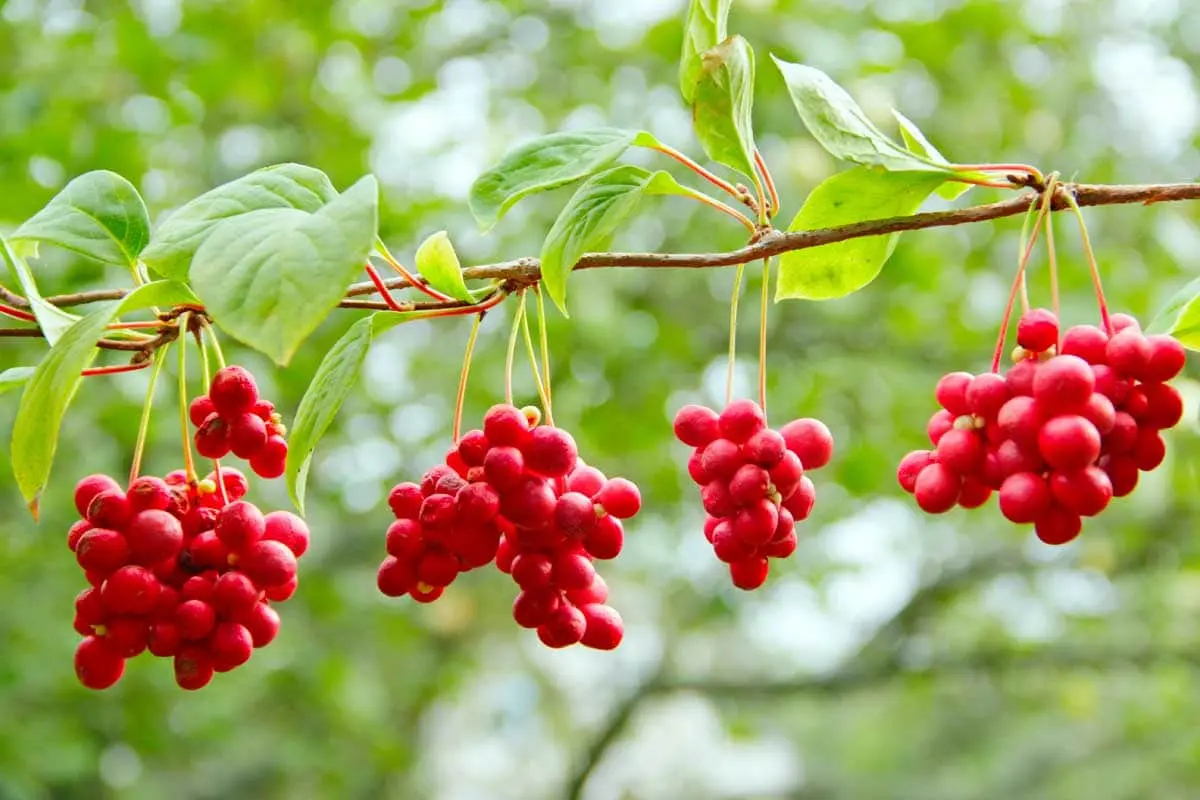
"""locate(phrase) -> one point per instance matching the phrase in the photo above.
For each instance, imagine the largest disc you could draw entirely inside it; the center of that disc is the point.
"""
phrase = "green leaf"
(330, 386)
(269, 277)
(438, 263)
(920, 146)
(835, 270)
(1180, 317)
(16, 376)
(53, 321)
(99, 215)
(53, 384)
(177, 239)
(840, 126)
(592, 216)
(722, 102)
(545, 163)
(705, 29)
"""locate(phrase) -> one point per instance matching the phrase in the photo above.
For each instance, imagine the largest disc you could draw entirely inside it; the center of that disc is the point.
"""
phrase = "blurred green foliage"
(1017, 672)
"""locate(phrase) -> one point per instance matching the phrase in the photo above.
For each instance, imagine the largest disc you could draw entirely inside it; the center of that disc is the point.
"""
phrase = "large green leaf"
(705, 29)
(176, 239)
(270, 277)
(99, 215)
(53, 321)
(722, 105)
(840, 126)
(56, 379)
(592, 216)
(545, 163)
(438, 263)
(862, 193)
(919, 145)
(329, 388)
(16, 376)
(1180, 317)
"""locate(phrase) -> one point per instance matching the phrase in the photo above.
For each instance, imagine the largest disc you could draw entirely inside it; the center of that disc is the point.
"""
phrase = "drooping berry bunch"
(752, 482)
(515, 492)
(233, 418)
(1066, 429)
(187, 573)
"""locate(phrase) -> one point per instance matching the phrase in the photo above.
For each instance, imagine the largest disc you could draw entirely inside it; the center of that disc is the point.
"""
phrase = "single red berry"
(1121, 322)
(809, 439)
(102, 550)
(283, 591)
(974, 493)
(1021, 376)
(268, 563)
(786, 475)
(716, 499)
(247, 434)
(230, 645)
(564, 627)
(164, 639)
(765, 448)
(212, 437)
(1063, 385)
(910, 467)
(506, 551)
(263, 624)
(575, 514)
(1024, 497)
(728, 546)
(1164, 405)
(696, 425)
(193, 668)
(1086, 341)
(76, 532)
(286, 527)
(127, 636)
(951, 394)
(721, 458)
(87, 489)
(531, 503)
(749, 574)
(271, 459)
(573, 570)
(533, 607)
(961, 451)
(1099, 411)
(1110, 384)
(234, 595)
(472, 448)
(153, 536)
(396, 576)
(749, 484)
(586, 480)
(1011, 458)
(550, 451)
(199, 410)
(195, 619)
(1136, 404)
(109, 510)
(1128, 353)
(405, 500)
(239, 525)
(424, 593)
(1086, 492)
(532, 570)
(1057, 525)
(505, 426)
(1166, 359)
(941, 422)
(403, 539)
(206, 551)
(477, 504)
(986, 393)
(937, 489)
(620, 497)
(1150, 451)
(449, 484)
(800, 503)
(198, 587)
(265, 409)
(1124, 434)
(504, 468)
(97, 666)
(603, 626)
(605, 541)
(147, 493)
(1037, 330)
(740, 420)
(437, 568)
(1019, 420)
(1069, 442)
(782, 546)
(233, 391)
(596, 593)
(755, 524)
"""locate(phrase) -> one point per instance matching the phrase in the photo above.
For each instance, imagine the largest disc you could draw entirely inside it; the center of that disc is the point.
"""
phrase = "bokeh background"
(894, 656)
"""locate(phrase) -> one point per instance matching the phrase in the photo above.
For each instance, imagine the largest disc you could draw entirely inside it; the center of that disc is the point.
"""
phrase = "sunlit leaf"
(438, 263)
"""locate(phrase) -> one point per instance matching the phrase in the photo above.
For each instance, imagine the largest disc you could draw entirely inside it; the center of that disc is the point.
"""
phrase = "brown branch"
(104, 344)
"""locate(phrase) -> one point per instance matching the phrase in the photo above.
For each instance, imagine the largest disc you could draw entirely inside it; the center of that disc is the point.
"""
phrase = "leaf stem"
(722, 207)
(1090, 254)
(533, 365)
(135, 326)
(544, 335)
(462, 378)
(512, 349)
(189, 465)
(733, 311)
(384, 291)
(92, 372)
(147, 406)
(761, 163)
(720, 183)
(762, 335)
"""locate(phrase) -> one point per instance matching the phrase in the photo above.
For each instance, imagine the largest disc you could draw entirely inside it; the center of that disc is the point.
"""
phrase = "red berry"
(476, 504)
(87, 489)
(1110, 384)
(130, 590)
(941, 421)
(1063, 384)
(395, 576)
(586, 480)
(505, 426)
(268, 563)
(271, 460)
(603, 627)
(424, 593)
(1069, 442)
(749, 574)
(1021, 376)
(1024, 497)
(109, 510)
(195, 619)
(605, 541)
(1086, 492)
(1166, 359)
(1164, 405)
(437, 568)
(154, 536)
(239, 525)
(765, 448)
(147, 493)
(782, 547)
(1086, 341)
(596, 593)
(531, 503)
(76, 532)
(974, 493)
(1018, 419)
(247, 434)
(504, 467)
(786, 475)
(164, 639)
(716, 499)
(1037, 331)
(233, 391)
(755, 524)
(951, 394)
(193, 668)
(1099, 411)
(263, 624)
(286, 527)
(230, 645)
(533, 607)
(97, 665)
(532, 570)
(1150, 451)
(740, 420)
(986, 394)
(721, 458)
(960, 451)
(564, 627)
(728, 546)
(1128, 353)
(212, 437)
(473, 447)
(405, 500)
(283, 591)
(1057, 525)
(199, 409)
(102, 550)
(696, 425)
(620, 497)
(937, 489)
(1120, 322)
(910, 467)
(550, 451)
(207, 551)
(573, 571)
(575, 514)
(749, 484)
(800, 503)
(1124, 434)
(234, 595)
(809, 439)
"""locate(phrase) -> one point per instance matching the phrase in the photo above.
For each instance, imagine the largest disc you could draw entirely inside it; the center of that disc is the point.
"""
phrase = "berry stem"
(544, 335)
(17, 313)
(512, 349)
(1017, 283)
(543, 394)
(144, 423)
(761, 163)
(733, 309)
(216, 343)
(203, 348)
(1090, 254)
(189, 465)
(722, 207)
(720, 183)
(134, 326)
(1051, 255)
(417, 284)
(384, 292)
(1030, 215)
(92, 372)
(462, 378)
(762, 335)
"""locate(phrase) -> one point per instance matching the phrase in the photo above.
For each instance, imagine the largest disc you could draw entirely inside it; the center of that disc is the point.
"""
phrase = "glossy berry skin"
(233, 391)
(97, 665)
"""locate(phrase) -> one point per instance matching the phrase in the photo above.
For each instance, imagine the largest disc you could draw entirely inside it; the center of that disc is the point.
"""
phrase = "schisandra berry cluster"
(515, 492)
(233, 418)
(752, 481)
(187, 573)
(1065, 430)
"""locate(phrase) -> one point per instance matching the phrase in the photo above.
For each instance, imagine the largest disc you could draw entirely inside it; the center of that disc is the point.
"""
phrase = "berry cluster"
(515, 492)
(752, 481)
(1065, 430)
(233, 418)
(186, 572)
